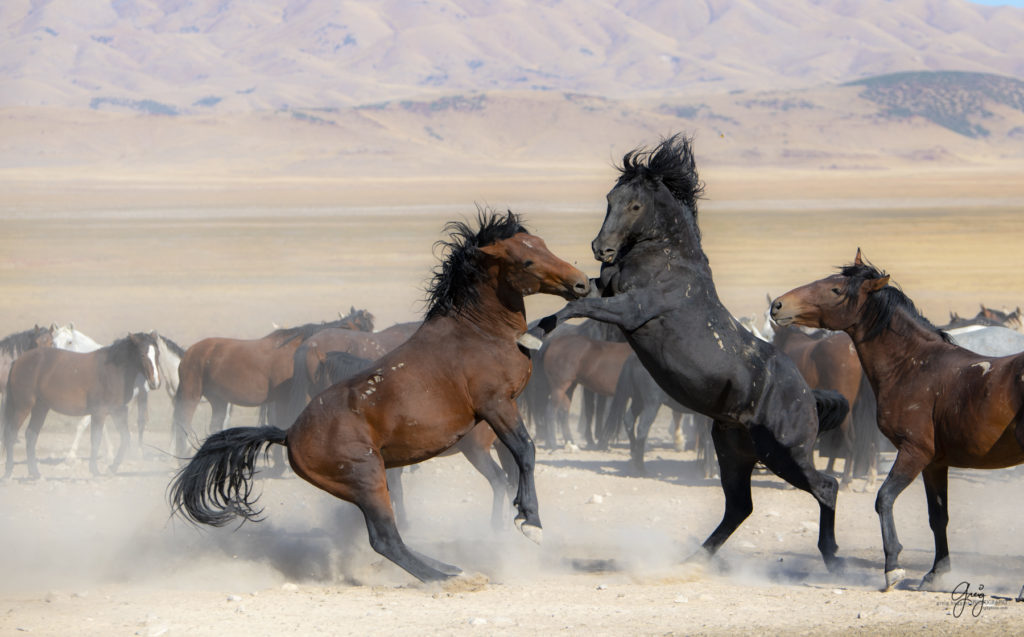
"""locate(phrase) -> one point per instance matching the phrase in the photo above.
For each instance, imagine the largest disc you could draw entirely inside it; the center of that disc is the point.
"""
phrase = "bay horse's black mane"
(672, 163)
(453, 287)
(882, 305)
(20, 342)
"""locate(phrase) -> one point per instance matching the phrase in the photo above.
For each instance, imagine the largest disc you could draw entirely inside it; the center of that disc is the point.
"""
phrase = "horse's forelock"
(672, 163)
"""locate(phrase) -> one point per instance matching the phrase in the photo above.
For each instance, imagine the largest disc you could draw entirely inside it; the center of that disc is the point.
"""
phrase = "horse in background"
(69, 338)
(577, 356)
(14, 345)
(462, 367)
(986, 316)
(635, 405)
(252, 372)
(940, 405)
(98, 384)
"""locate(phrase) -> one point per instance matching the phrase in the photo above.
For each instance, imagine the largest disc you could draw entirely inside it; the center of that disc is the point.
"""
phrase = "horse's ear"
(492, 250)
(53, 326)
(875, 285)
(857, 260)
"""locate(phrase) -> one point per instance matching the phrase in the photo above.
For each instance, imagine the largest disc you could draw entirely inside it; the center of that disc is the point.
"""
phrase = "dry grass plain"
(100, 557)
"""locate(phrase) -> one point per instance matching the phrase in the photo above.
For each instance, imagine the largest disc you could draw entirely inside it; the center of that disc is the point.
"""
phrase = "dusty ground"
(101, 557)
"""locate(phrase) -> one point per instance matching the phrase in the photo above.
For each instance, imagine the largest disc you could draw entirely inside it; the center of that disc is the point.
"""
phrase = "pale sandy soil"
(101, 557)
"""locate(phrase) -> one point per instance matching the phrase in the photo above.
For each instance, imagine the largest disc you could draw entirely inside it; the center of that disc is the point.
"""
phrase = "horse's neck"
(500, 312)
(901, 346)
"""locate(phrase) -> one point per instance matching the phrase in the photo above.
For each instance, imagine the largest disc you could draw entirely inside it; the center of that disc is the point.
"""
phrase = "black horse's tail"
(832, 409)
(215, 487)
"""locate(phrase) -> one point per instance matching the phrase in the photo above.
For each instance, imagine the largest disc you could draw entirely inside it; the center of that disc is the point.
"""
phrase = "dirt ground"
(101, 556)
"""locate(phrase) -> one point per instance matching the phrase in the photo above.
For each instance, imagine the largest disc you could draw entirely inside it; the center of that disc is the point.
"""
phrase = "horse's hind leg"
(736, 460)
(795, 465)
(35, 424)
(374, 501)
(936, 480)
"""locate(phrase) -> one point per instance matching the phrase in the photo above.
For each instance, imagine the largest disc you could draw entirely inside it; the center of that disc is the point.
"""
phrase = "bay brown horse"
(941, 405)
(97, 384)
(235, 371)
(335, 367)
(462, 366)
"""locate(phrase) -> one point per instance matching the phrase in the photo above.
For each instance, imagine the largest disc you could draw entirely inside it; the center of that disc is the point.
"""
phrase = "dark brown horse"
(242, 372)
(96, 384)
(570, 358)
(828, 360)
(462, 366)
(941, 405)
(14, 345)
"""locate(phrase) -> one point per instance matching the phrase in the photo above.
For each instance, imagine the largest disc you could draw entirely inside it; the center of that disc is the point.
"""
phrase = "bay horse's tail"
(832, 409)
(215, 487)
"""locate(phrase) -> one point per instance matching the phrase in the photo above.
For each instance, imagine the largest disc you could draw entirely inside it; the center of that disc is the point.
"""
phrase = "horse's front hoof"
(533, 532)
(894, 577)
(836, 565)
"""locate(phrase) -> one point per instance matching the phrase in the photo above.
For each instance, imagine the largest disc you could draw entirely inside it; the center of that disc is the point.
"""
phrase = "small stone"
(477, 621)
(289, 587)
(595, 499)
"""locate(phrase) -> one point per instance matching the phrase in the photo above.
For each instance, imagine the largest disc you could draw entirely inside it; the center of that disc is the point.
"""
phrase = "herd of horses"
(847, 357)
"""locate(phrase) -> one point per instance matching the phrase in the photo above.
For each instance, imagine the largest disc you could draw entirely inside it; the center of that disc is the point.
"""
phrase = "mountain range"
(823, 83)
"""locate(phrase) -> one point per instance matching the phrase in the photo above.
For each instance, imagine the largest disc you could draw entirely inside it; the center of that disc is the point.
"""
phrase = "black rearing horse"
(656, 286)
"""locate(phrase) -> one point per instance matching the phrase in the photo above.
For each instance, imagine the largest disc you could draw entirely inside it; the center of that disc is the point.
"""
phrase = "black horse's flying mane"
(672, 163)
(883, 304)
(453, 287)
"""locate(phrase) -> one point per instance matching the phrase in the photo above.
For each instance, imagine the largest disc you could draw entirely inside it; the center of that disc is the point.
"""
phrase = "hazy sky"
(1012, 3)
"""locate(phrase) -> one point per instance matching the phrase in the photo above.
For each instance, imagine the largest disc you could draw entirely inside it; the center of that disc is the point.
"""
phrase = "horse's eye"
(636, 207)
(528, 263)
(836, 291)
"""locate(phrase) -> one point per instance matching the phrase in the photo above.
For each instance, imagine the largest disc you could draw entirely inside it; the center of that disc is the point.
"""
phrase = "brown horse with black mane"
(462, 366)
(941, 405)
(242, 372)
(96, 384)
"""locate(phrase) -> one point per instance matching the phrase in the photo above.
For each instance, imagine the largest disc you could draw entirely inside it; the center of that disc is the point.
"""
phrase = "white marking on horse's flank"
(151, 355)
(985, 366)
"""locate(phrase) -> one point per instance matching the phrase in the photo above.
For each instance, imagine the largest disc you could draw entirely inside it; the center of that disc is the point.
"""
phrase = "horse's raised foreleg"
(936, 479)
(736, 460)
(508, 425)
(35, 424)
(904, 470)
(628, 310)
